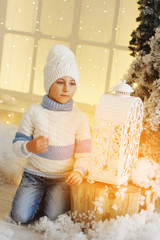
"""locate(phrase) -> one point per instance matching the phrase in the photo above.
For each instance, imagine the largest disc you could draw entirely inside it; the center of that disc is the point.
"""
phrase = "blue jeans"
(33, 190)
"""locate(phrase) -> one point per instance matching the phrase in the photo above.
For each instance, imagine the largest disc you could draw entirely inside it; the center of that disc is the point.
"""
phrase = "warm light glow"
(135, 85)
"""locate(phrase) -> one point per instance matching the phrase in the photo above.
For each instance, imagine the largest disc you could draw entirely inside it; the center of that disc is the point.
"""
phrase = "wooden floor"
(7, 192)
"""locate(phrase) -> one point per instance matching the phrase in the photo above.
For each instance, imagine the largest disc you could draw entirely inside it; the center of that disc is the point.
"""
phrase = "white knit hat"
(60, 63)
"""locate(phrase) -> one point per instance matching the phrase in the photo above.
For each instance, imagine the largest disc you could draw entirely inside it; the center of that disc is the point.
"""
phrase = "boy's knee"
(20, 217)
(53, 212)
(51, 215)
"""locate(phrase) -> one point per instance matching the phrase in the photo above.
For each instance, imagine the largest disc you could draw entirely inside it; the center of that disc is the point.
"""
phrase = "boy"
(54, 136)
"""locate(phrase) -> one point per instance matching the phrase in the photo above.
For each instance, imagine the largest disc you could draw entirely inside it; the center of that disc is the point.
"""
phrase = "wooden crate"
(94, 202)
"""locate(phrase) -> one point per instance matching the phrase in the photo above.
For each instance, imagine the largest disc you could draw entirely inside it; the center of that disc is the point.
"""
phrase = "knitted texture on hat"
(60, 63)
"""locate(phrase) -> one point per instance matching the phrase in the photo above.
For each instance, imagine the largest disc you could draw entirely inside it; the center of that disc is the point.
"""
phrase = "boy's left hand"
(74, 178)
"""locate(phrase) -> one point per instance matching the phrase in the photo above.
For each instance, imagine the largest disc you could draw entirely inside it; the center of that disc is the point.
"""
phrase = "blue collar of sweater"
(55, 106)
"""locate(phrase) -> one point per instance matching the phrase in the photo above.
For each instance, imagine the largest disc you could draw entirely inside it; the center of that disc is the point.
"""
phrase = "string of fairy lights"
(42, 20)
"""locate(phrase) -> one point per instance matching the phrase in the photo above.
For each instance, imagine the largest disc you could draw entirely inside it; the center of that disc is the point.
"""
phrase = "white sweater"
(69, 139)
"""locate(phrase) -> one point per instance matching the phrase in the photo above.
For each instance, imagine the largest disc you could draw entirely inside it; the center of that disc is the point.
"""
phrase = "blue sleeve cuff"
(21, 137)
(24, 150)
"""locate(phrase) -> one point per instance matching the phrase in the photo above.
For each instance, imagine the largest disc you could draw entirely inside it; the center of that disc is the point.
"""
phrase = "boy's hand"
(38, 145)
(74, 178)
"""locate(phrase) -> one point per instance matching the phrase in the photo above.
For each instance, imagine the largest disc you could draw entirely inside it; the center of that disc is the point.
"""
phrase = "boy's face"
(62, 90)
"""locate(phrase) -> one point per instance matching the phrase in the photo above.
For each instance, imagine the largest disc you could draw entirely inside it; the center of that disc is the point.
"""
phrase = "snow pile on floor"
(6, 233)
(12, 231)
(146, 174)
(145, 225)
(62, 228)
(10, 165)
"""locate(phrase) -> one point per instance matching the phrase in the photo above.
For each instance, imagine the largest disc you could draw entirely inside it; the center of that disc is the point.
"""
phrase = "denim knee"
(27, 199)
(19, 216)
(53, 214)
(57, 200)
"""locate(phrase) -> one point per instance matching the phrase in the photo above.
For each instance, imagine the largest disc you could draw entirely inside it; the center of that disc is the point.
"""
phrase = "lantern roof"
(115, 108)
(122, 89)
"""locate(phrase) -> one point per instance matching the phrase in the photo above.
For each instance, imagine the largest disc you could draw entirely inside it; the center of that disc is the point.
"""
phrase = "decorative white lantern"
(116, 135)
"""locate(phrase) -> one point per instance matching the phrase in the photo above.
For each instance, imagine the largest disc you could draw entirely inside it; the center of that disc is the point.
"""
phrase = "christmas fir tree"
(149, 19)
(144, 77)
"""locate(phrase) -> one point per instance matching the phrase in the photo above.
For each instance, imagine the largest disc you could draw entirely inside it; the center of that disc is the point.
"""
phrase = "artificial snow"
(6, 233)
(12, 231)
(146, 174)
(98, 205)
(10, 165)
(145, 225)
